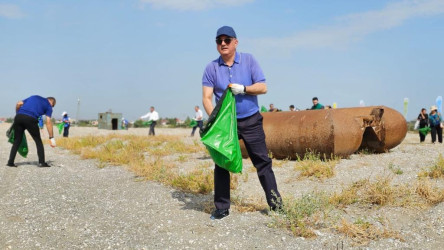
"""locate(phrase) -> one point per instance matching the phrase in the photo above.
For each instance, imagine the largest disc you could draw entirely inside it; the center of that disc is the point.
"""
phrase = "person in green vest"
(316, 104)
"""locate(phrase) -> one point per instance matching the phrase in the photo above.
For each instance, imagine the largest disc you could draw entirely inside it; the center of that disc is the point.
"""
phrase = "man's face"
(151, 109)
(315, 102)
(424, 111)
(196, 108)
(228, 45)
(271, 106)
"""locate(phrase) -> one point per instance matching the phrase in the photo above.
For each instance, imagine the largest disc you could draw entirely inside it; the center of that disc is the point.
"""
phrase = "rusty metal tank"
(339, 132)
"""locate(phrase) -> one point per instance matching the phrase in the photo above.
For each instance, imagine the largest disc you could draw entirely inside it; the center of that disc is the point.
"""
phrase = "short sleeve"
(257, 75)
(208, 78)
(49, 111)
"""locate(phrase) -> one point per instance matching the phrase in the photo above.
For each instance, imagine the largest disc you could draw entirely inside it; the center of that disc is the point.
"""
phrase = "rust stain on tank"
(339, 132)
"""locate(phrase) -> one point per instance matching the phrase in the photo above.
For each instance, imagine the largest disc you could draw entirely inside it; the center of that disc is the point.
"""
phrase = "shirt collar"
(237, 59)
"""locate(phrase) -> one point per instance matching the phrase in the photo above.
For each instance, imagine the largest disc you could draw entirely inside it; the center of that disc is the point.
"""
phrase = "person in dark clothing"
(435, 124)
(423, 119)
(316, 104)
(27, 114)
(66, 124)
(242, 73)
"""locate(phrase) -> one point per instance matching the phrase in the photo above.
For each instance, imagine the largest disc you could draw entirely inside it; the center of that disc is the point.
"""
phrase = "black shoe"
(44, 165)
(219, 214)
(11, 165)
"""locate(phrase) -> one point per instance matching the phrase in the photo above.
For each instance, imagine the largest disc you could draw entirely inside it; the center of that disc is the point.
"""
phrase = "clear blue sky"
(129, 55)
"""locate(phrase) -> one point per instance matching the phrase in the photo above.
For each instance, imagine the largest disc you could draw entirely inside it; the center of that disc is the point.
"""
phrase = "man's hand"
(237, 88)
(52, 142)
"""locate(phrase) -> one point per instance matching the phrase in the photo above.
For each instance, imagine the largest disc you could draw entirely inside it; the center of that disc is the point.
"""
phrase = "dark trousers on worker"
(421, 136)
(66, 131)
(152, 125)
(250, 130)
(22, 123)
(199, 125)
(436, 130)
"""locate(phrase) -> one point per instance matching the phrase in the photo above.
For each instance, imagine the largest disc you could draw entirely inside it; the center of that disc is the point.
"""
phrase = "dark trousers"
(152, 125)
(199, 125)
(66, 131)
(250, 130)
(22, 123)
(436, 130)
(421, 136)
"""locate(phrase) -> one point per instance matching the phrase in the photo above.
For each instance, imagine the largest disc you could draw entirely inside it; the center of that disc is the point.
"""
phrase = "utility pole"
(77, 114)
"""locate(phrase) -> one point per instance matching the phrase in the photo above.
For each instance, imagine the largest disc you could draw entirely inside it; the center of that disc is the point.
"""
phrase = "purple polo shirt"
(36, 106)
(245, 70)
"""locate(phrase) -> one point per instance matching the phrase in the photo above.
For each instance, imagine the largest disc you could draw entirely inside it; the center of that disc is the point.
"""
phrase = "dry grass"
(362, 232)
(199, 181)
(279, 163)
(249, 204)
(144, 156)
(435, 171)
(313, 165)
(301, 216)
(381, 192)
(348, 195)
(432, 195)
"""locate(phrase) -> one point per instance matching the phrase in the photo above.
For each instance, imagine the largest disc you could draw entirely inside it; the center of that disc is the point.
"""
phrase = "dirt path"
(75, 204)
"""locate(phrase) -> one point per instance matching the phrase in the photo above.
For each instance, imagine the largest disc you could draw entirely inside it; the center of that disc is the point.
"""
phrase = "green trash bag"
(23, 147)
(263, 109)
(60, 127)
(147, 123)
(220, 137)
(193, 123)
(424, 130)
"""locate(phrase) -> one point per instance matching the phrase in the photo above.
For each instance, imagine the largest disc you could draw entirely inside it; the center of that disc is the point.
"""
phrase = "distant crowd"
(316, 105)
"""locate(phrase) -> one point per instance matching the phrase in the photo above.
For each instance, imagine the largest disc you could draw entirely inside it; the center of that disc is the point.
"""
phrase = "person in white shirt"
(152, 116)
(198, 117)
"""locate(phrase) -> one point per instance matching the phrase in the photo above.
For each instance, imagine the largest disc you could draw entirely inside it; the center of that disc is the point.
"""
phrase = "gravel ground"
(75, 204)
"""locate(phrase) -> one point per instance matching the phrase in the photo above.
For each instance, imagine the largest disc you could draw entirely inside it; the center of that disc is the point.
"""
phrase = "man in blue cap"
(242, 73)
(28, 112)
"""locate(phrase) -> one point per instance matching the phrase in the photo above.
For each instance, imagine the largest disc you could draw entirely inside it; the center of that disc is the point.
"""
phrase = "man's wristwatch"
(50, 137)
(245, 89)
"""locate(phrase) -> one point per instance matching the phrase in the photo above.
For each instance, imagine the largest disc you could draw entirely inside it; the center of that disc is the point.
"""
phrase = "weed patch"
(395, 169)
(432, 195)
(311, 165)
(362, 232)
(435, 171)
(301, 216)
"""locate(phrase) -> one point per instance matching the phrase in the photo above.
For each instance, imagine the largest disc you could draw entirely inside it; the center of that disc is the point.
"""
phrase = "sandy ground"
(75, 204)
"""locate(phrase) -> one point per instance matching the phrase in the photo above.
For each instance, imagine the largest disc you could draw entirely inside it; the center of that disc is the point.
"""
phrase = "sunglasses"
(226, 40)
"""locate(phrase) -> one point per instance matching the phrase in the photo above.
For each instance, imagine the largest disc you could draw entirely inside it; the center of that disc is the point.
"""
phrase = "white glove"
(237, 88)
(53, 142)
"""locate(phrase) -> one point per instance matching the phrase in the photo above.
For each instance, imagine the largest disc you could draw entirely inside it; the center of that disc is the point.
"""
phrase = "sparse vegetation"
(435, 171)
(312, 165)
(250, 204)
(302, 215)
(362, 231)
(432, 195)
(145, 158)
(157, 158)
(395, 169)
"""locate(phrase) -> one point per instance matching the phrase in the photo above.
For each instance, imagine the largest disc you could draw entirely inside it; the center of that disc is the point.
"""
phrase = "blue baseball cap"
(226, 30)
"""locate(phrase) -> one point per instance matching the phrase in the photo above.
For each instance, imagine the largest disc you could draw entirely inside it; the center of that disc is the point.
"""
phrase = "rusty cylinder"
(339, 132)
